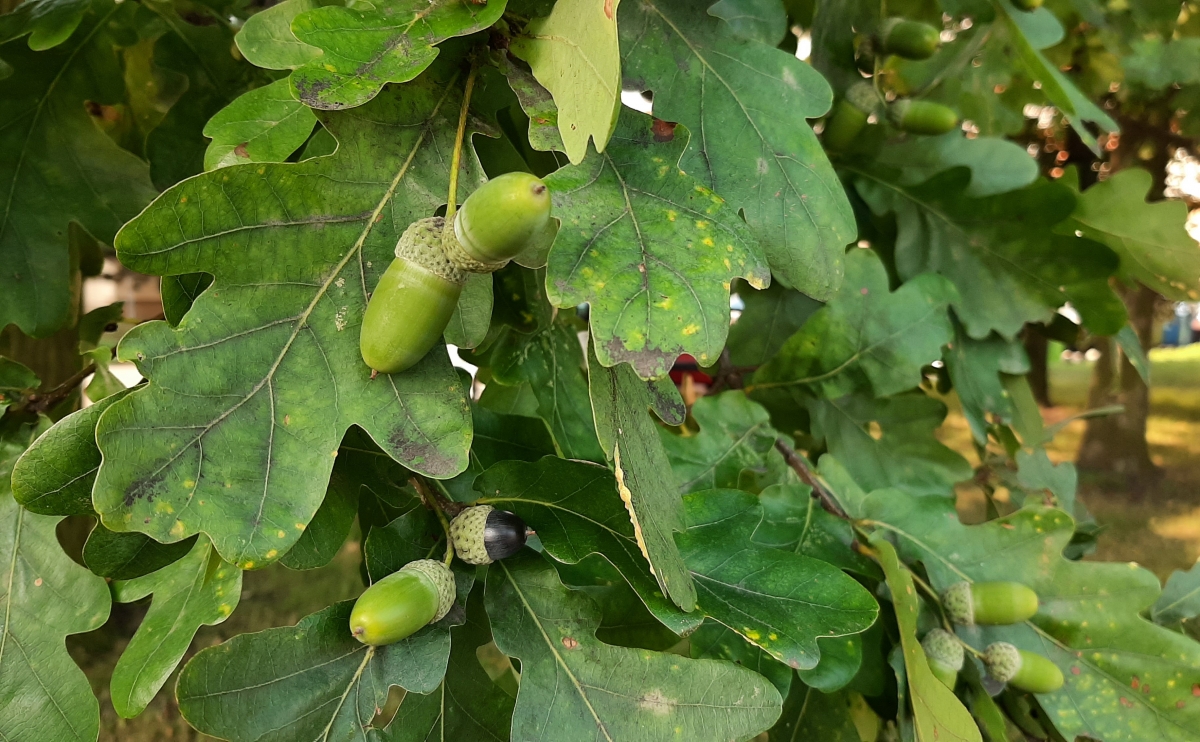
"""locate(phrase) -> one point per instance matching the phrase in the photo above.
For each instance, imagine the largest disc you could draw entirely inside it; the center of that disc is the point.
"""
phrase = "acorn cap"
(1003, 661)
(943, 647)
(959, 604)
(862, 96)
(483, 534)
(442, 578)
(423, 243)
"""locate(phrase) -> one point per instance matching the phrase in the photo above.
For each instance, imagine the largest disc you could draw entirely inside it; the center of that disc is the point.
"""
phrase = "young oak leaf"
(365, 48)
(651, 250)
(746, 103)
(243, 450)
(574, 53)
(200, 589)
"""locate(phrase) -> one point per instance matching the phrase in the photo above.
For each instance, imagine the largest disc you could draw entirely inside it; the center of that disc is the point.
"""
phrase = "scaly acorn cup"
(400, 604)
(482, 534)
(1020, 669)
(945, 655)
(498, 221)
(909, 39)
(850, 116)
(989, 603)
(413, 302)
(922, 117)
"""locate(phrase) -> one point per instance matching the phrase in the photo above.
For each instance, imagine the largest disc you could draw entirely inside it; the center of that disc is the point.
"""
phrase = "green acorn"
(482, 534)
(1028, 4)
(413, 302)
(402, 603)
(850, 116)
(922, 117)
(1020, 669)
(498, 221)
(909, 39)
(989, 603)
(945, 655)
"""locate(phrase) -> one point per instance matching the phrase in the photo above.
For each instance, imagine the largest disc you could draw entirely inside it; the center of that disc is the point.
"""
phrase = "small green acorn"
(482, 534)
(1028, 4)
(413, 301)
(498, 221)
(945, 655)
(1020, 669)
(909, 39)
(850, 116)
(400, 604)
(989, 603)
(922, 117)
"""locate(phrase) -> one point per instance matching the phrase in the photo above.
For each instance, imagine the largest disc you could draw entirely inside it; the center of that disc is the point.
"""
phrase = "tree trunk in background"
(1117, 443)
(53, 359)
(1037, 347)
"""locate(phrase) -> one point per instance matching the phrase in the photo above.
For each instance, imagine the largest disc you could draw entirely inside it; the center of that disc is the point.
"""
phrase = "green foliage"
(752, 545)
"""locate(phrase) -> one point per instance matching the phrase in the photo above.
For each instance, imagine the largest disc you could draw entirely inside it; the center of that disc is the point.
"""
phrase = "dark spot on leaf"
(143, 489)
(240, 150)
(664, 131)
(648, 363)
(570, 642)
(423, 456)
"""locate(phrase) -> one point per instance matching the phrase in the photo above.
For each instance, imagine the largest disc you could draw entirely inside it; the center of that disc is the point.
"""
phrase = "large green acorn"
(482, 534)
(909, 39)
(1020, 669)
(922, 117)
(945, 655)
(989, 603)
(499, 220)
(850, 116)
(413, 302)
(401, 603)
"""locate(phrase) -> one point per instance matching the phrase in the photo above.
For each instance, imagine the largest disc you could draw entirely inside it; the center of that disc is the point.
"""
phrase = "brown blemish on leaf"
(656, 703)
(425, 456)
(570, 642)
(240, 150)
(608, 9)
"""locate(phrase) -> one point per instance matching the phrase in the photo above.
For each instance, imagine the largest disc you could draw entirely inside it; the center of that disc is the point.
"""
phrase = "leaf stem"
(806, 474)
(456, 158)
(431, 501)
(38, 403)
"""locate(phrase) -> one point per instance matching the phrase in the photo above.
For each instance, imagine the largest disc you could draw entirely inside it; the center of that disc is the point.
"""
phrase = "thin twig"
(39, 403)
(456, 158)
(431, 501)
(805, 472)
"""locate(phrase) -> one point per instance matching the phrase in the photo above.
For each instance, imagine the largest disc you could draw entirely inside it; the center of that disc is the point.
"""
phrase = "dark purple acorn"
(483, 534)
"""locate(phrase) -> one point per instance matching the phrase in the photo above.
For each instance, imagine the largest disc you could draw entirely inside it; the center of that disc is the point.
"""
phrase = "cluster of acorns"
(422, 592)
(415, 298)
(906, 39)
(991, 604)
